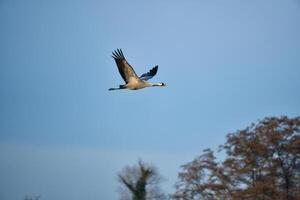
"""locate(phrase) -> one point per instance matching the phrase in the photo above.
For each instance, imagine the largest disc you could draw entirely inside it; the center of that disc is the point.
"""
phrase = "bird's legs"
(114, 89)
(119, 88)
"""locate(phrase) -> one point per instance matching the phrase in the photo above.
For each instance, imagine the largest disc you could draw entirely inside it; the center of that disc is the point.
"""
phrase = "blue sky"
(65, 136)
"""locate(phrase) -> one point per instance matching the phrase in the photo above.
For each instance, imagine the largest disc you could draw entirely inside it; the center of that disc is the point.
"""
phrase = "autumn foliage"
(262, 162)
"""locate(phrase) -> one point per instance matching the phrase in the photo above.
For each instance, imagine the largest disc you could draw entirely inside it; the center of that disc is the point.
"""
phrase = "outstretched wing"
(124, 67)
(149, 74)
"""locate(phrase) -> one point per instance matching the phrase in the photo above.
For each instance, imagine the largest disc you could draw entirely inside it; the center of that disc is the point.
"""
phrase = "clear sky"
(227, 63)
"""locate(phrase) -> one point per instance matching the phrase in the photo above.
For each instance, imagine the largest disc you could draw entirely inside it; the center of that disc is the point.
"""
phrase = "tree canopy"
(261, 162)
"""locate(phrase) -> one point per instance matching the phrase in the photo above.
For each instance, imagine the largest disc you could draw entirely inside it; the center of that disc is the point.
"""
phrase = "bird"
(132, 80)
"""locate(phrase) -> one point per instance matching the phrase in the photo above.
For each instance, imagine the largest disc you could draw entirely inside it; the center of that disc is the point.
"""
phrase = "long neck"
(156, 84)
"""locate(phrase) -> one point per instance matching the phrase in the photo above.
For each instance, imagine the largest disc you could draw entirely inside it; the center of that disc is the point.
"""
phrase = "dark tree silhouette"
(262, 162)
(140, 182)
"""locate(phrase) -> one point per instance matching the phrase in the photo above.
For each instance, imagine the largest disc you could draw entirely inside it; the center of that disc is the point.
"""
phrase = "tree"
(140, 182)
(202, 179)
(262, 162)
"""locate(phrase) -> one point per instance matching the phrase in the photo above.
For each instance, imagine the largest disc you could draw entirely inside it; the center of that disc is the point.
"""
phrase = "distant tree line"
(32, 197)
(262, 162)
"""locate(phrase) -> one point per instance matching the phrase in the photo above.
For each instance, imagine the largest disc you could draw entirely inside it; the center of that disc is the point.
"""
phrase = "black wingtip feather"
(118, 54)
(154, 70)
(121, 53)
(114, 55)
